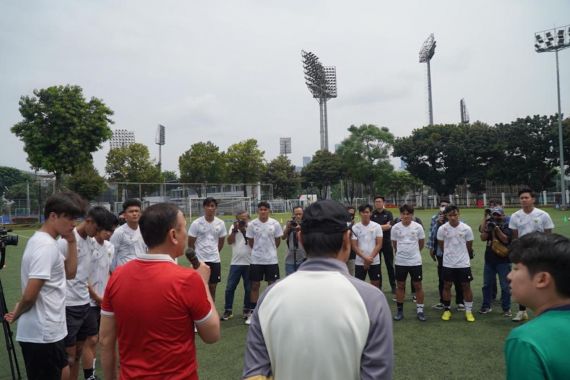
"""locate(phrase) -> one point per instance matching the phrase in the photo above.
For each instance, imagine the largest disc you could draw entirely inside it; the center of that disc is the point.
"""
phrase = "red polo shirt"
(155, 304)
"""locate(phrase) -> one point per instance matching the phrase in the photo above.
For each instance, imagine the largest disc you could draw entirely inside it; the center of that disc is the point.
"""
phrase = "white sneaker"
(248, 320)
(521, 315)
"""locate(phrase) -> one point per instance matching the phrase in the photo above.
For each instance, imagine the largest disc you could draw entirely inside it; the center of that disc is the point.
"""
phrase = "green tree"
(365, 155)
(401, 182)
(61, 130)
(131, 163)
(246, 163)
(169, 176)
(443, 156)
(324, 170)
(281, 173)
(11, 176)
(529, 149)
(86, 182)
(203, 162)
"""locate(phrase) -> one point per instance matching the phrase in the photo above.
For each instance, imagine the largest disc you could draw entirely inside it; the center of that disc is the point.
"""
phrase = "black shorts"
(414, 271)
(461, 275)
(260, 272)
(94, 317)
(44, 361)
(215, 272)
(373, 272)
(79, 326)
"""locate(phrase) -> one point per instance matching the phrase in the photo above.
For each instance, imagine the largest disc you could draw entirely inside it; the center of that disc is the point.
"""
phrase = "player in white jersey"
(101, 256)
(526, 220)
(264, 236)
(41, 310)
(127, 239)
(206, 235)
(455, 239)
(408, 239)
(367, 243)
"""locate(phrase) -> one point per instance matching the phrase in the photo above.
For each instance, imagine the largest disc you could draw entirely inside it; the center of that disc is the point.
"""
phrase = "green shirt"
(539, 349)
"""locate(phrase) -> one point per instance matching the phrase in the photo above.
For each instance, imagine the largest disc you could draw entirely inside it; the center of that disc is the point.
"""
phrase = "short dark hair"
(407, 208)
(362, 208)
(241, 212)
(541, 252)
(322, 244)
(350, 208)
(209, 200)
(132, 202)
(264, 204)
(296, 207)
(527, 190)
(67, 203)
(156, 221)
(100, 216)
(451, 208)
(443, 201)
(379, 197)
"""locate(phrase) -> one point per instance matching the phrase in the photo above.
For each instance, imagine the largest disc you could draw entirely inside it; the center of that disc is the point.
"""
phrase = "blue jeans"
(490, 271)
(290, 268)
(237, 272)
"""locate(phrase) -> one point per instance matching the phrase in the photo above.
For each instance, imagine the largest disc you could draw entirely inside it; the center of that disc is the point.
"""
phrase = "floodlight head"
(545, 41)
(428, 49)
(320, 80)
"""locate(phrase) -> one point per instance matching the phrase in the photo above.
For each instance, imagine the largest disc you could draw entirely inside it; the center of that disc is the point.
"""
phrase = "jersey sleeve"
(249, 231)
(440, 233)
(107, 304)
(548, 223)
(193, 230)
(523, 361)
(278, 230)
(469, 234)
(354, 234)
(395, 232)
(42, 261)
(421, 232)
(513, 222)
(62, 245)
(378, 233)
(195, 298)
(223, 230)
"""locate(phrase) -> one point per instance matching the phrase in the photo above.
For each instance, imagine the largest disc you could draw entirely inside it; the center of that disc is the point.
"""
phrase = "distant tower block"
(285, 145)
(464, 112)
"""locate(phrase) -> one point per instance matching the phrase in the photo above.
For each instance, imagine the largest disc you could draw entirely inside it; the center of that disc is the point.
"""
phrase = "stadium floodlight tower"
(321, 81)
(426, 54)
(548, 41)
(159, 140)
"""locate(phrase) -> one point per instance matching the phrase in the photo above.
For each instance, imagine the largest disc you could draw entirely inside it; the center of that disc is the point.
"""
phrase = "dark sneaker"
(485, 310)
(399, 315)
(421, 316)
(227, 315)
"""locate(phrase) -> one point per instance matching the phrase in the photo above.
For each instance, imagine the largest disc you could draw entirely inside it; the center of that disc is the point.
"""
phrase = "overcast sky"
(226, 71)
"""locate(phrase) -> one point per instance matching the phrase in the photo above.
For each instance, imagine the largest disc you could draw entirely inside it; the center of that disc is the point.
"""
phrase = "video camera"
(241, 223)
(6, 239)
(293, 223)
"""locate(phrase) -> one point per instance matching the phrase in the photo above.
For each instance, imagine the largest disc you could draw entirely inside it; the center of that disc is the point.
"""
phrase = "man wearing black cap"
(346, 326)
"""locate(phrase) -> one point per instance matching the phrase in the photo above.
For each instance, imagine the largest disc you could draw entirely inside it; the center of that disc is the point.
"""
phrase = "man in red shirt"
(151, 305)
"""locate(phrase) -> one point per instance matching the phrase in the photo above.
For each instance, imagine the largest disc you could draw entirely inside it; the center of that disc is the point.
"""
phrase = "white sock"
(419, 308)
(468, 306)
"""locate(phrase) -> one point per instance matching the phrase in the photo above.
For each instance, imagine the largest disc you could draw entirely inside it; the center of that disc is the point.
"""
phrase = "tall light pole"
(159, 140)
(426, 54)
(547, 41)
(321, 81)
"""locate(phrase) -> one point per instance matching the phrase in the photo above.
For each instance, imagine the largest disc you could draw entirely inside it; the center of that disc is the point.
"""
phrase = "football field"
(431, 350)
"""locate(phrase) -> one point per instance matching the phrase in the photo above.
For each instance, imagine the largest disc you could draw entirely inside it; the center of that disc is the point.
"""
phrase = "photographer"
(295, 252)
(496, 232)
(239, 267)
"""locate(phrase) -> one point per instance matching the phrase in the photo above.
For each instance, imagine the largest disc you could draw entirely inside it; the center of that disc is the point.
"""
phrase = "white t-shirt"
(264, 251)
(100, 264)
(241, 252)
(45, 321)
(128, 244)
(536, 221)
(455, 254)
(207, 237)
(76, 293)
(407, 238)
(366, 236)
